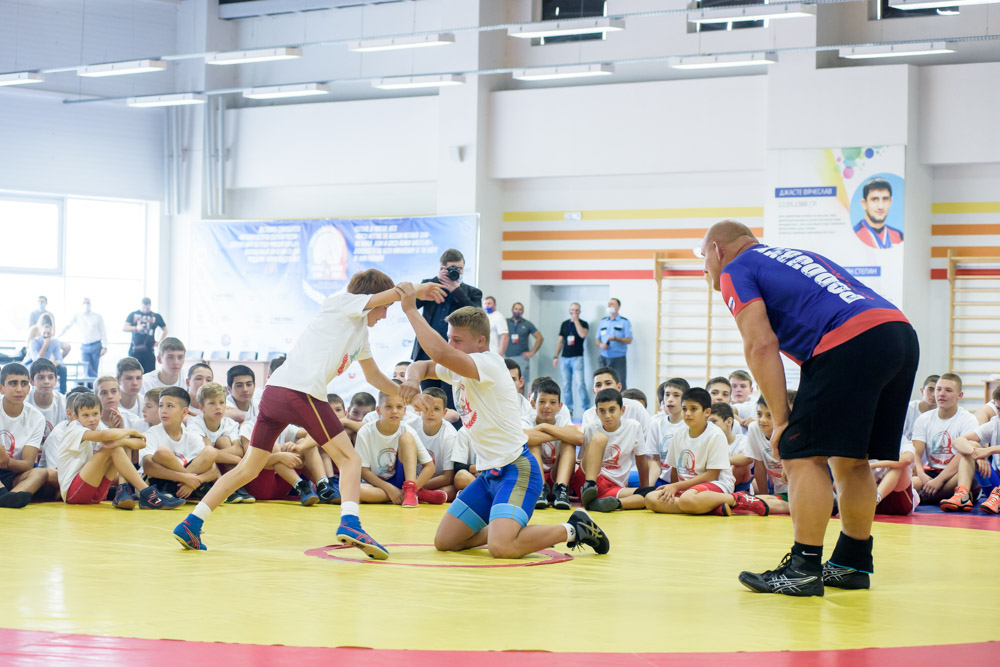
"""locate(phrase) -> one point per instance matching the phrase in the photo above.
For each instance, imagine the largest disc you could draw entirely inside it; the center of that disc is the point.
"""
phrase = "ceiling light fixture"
(423, 81)
(173, 100)
(18, 78)
(936, 4)
(563, 72)
(122, 68)
(279, 92)
(585, 26)
(396, 43)
(724, 60)
(253, 56)
(896, 50)
(751, 13)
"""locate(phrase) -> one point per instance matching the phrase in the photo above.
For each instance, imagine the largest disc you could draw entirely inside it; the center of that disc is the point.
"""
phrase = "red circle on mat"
(324, 552)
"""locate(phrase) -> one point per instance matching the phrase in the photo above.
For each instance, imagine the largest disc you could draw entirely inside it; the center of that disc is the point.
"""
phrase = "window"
(884, 11)
(31, 230)
(732, 25)
(556, 10)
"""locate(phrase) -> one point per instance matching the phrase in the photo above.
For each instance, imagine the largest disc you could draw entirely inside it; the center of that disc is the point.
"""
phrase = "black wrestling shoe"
(608, 504)
(588, 533)
(561, 501)
(793, 576)
(589, 493)
(845, 577)
(543, 498)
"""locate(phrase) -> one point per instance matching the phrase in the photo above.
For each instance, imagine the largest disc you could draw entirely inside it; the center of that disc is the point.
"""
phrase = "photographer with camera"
(459, 295)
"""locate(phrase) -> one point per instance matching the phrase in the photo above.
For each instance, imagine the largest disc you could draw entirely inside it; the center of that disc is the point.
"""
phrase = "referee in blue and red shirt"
(858, 355)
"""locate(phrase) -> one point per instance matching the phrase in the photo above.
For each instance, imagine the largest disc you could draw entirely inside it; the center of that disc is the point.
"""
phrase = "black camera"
(454, 273)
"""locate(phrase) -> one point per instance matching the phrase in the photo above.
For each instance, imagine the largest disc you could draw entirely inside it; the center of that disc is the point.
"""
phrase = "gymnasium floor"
(94, 584)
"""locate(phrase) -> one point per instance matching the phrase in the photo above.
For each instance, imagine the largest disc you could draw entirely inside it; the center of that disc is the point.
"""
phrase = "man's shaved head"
(723, 242)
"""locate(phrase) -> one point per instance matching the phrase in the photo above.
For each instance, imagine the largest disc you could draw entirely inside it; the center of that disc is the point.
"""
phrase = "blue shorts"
(509, 492)
(398, 477)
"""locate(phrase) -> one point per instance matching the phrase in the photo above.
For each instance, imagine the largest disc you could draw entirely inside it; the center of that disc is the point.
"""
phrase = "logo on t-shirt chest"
(611, 457)
(386, 462)
(469, 415)
(688, 462)
(941, 453)
(8, 442)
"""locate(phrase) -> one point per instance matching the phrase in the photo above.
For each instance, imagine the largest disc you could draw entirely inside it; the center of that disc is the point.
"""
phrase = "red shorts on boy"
(704, 486)
(81, 493)
(606, 488)
(575, 482)
(897, 503)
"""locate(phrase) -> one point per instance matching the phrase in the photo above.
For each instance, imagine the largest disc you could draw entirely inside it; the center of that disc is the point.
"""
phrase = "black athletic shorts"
(852, 398)
(7, 478)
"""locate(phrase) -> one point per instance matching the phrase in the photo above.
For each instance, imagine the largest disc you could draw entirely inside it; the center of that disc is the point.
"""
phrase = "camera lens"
(454, 273)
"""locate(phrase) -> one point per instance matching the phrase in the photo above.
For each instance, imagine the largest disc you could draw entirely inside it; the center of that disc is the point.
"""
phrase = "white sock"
(322, 479)
(570, 532)
(202, 511)
(347, 508)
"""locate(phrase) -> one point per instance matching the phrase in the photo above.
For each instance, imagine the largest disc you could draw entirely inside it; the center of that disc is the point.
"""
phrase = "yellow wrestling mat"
(668, 585)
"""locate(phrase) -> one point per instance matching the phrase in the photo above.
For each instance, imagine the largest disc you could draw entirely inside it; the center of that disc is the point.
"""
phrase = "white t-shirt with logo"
(53, 445)
(227, 427)
(440, 445)
(694, 456)
(759, 449)
(937, 435)
(489, 410)
(288, 435)
(54, 415)
(379, 452)
(661, 433)
(632, 410)
(621, 450)
(72, 453)
(151, 380)
(498, 327)
(186, 449)
(331, 342)
(550, 449)
(25, 430)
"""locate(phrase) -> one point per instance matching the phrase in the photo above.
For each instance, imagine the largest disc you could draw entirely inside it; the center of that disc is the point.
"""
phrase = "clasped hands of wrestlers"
(409, 391)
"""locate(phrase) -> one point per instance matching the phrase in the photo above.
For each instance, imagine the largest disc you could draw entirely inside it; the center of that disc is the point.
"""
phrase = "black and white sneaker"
(845, 577)
(794, 576)
(589, 493)
(561, 501)
(543, 498)
(588, 533)
(245, 496)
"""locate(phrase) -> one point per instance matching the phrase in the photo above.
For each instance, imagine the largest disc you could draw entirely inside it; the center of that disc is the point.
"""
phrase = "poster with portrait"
(256, 284)
(844, 203)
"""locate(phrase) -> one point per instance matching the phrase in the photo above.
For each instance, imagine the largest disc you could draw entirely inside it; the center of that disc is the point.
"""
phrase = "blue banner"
(256, 284)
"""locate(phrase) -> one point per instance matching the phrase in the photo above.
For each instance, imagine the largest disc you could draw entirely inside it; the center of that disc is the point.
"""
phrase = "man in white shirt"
(21, 431)
(494, 510)
(93, 334)
(499, 332)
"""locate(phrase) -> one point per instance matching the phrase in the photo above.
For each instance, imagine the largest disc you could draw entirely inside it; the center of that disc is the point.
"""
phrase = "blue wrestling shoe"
(151, 498)
(328, 490)
(306, 495)
(188, 533)
(352, 534)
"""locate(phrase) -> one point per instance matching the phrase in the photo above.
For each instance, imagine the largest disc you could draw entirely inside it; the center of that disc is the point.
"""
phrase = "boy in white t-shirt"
(106, 388)
(609, 451)
(242, 383)
(50, 453)
(553, 439)
(150, 410)
(219, 432)
(390, 452)
(438, 438)
(741, 397)
(129, 374)
(989, 410)
(175, 459)
(463, 460)
(919, 406)
(86, 473)
(895, 495)
(296, 394)
(769, 473)
(494, 510)
(171, 360)
(662, 428)
(21, 430)
(499, 331)
(197, 377)
(45, 398)
(987, 437)
(944, 484)
(739, 461)
(606, 377)
(527, 410)
(701, 481)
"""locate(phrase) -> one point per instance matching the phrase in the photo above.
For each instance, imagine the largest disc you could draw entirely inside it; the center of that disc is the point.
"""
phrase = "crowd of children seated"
(160, 439)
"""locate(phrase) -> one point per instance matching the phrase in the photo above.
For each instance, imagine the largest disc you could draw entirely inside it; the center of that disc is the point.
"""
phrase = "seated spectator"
(129, 372)
(106, 388)
(607, 378)
(362, 403)
(282, 472)
(769, 473)
(662, 428)
(45, 398)
(51, 448)
(739, 461)
(556, 456)
(242, 383)
(933, 435)
(390, 452)
(219, 432)
(637, 396)
(921, 405)
(720, 390)
(990, 410)
(197, 376)
(527, 412)
(171, 360)
(175, 459)
(22, 428)
(399, 370)
(499, 334)
(438, 439)
(742, 398)
(85, 475)
(41, 315)
(609, 450)
(46, 346)
(983, 444)
(895, 494)
(150, 410)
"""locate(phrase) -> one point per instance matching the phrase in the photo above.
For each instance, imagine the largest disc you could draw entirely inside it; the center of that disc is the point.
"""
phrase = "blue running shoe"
(352, 534)
(152, 499)
(188, 533)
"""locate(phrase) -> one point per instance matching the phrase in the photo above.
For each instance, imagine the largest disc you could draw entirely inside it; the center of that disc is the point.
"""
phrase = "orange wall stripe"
(578, 275)
(964, 230)
(639, 214)
(613, 234)
(942, 274)
(966, 251)
(510, 255)
(966, 207)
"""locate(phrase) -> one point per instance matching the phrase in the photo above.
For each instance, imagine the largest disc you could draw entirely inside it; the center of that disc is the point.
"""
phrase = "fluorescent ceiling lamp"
(253, 56)
(18, 78)
(407, 42)
(116, 69)
(565, 28)
(896, 50)
(294, 90)
(424, 81)
(751, 13)
(936, 4)
(173, 100)
(733, 60)
(564, 72)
